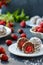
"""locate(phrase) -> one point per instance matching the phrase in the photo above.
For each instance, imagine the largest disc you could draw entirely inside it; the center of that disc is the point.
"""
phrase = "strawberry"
(11, 24)
(0, 4)
(4, 57)
(3, 2)
(2, 22)
(14, 36)
(2, 50)
(8, 42)
(41, 24)
(20, 31)
(23, 35)
(23, 24)
(37, 27)
(29, 49)
(40, 30)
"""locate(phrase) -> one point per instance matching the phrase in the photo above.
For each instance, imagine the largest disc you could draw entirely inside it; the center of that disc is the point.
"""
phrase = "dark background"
(31, 7)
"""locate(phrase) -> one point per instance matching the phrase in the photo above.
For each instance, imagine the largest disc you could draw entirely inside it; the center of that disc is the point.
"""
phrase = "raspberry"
(4, 57)
(2, 50)
(20, 31)
(23, 35)
(23, 24)
(14, 36)
(8, 42)
(29, 49)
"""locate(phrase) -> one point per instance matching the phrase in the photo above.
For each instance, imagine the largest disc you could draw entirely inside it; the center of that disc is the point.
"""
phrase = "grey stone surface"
(15, 60)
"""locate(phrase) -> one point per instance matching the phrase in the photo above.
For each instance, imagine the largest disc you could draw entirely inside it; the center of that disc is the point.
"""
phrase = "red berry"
(4, 57)
(29, 49)
(14, 36)
(41, 24)
(40, 30)
(3, 2)
(11, 24)
(23, 24)
(20, 31)
(23, 35)
(8, 42)
(37, 27)
(2, 50)
(0, 4)
(2, 22)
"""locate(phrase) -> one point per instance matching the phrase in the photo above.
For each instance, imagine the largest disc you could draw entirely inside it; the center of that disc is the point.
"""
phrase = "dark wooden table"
(15, 60)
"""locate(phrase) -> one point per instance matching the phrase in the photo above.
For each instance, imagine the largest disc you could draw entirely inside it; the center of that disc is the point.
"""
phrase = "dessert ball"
(34, 19)
(20, 42)
(39, 21)
(28, 47)
(37, 43)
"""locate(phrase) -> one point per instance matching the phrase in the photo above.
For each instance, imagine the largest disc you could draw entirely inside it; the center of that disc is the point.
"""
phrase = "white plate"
(14, 50)
(8, 31)
(28, 23)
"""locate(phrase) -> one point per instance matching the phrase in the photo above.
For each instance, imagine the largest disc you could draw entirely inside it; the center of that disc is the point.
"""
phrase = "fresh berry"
(41, 24)
(23, 24)
(29, 49)
(10, 24)
(8, 42)
(20, 31)
(2, 50)
(23, 35)
(2, 22)
(0, 4)
(37, 27)
(14, 36)
(40, 30)
(4, 2)
(4, 57)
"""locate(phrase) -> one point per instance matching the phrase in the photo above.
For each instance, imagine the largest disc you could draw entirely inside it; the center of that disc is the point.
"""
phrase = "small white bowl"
(37, 34)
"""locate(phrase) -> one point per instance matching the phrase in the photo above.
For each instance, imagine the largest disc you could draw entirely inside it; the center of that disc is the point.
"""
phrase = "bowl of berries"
(37, 30)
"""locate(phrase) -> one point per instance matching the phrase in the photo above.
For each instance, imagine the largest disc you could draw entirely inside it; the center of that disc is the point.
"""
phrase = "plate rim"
(22, 55)
(6, 32)
(29, 24)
